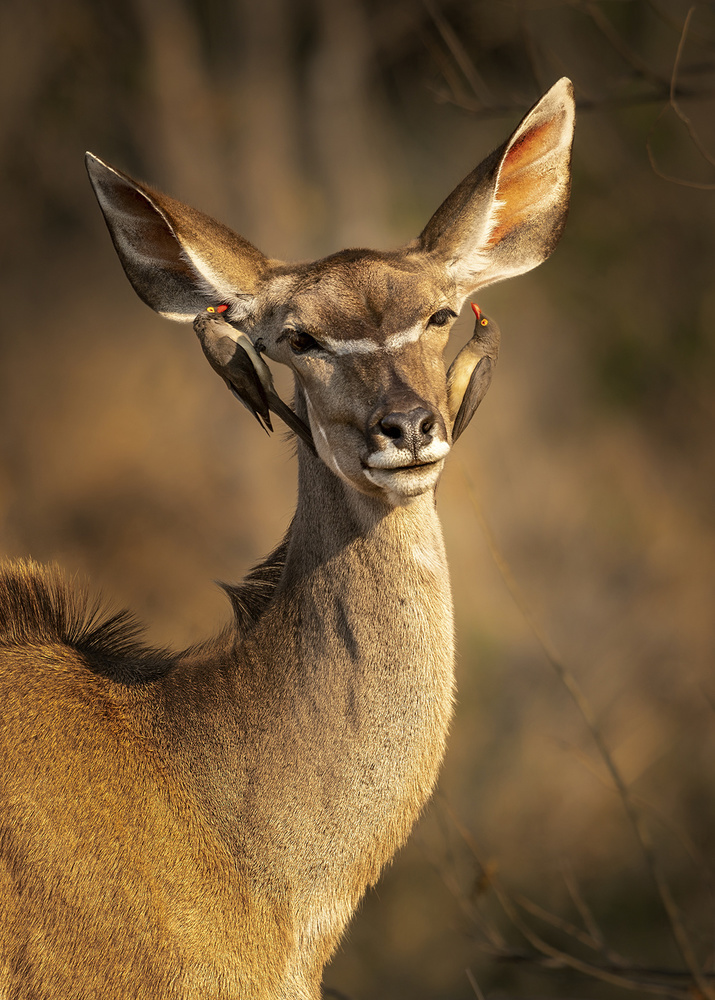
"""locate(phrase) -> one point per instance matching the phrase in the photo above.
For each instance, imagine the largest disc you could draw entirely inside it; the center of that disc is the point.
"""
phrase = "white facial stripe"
(320, 437)
(350, 346)
(398, 340)
(367, 346)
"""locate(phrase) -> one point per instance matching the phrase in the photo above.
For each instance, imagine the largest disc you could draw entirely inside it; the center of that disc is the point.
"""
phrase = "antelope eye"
(301, 343)
(441, 317)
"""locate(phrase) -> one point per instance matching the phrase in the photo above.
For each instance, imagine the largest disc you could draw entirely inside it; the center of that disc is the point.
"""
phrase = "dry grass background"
(308, 126)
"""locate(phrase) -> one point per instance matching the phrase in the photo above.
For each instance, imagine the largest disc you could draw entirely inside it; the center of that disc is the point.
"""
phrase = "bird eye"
(441, 317)
(301, 343)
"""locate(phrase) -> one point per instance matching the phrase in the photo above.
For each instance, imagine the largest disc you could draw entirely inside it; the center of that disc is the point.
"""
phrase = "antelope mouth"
(408, 467)
(409, 480)
(402, 474)
(404, 460)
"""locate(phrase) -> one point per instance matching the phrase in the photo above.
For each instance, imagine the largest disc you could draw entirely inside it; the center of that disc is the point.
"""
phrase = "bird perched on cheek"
(470, 374)
(231, 361)
(231, 354)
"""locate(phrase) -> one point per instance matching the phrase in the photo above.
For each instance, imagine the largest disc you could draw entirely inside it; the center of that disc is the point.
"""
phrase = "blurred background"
(587, 477)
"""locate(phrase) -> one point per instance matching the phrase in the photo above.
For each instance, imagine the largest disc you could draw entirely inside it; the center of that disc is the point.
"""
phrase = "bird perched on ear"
(470, 374)
(231, 354)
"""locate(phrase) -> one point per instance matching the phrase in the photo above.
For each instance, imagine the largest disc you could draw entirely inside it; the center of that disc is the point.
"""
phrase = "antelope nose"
(411, 430)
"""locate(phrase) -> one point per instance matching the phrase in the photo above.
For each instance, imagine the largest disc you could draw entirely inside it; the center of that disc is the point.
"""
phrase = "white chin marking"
(404, 483)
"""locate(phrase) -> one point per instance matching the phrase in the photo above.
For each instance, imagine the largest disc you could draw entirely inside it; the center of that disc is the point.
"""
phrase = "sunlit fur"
(202, 824)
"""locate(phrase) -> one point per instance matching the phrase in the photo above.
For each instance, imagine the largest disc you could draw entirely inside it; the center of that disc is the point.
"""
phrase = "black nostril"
(427, 425)
(392, 425)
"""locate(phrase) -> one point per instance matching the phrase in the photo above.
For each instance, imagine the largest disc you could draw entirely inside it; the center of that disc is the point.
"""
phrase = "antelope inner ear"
(178, 259)
(507, 216)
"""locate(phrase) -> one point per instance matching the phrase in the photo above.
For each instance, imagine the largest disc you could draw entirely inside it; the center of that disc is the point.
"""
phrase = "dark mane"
(250, 598)
(41, 606)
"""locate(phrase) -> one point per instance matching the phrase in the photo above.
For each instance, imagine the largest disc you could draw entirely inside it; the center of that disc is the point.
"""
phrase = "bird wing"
(229, 358)
(479, 382)
(470, 374)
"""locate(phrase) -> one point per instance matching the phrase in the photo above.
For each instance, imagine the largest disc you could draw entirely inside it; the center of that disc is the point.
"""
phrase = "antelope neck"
(336, 524)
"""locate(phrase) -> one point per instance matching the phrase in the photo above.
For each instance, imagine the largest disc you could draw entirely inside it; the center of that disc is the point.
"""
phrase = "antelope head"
(363, 331)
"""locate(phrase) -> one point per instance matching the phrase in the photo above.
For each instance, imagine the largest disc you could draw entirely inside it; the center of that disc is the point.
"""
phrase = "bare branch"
(696, 857)
(474, 984)
(492, 936)
(675, 105)
(569, 681)
(673, 86)
(559, 923)
(459, 54)
(677, 982)
(558, 959)
(585, 912)
(626, 53)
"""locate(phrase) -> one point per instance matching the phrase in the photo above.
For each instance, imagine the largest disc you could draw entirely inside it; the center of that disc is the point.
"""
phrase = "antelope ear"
(178, 259)
(507, 216)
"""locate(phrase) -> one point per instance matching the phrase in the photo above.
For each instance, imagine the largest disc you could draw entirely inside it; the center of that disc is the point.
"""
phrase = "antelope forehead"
(356, 308)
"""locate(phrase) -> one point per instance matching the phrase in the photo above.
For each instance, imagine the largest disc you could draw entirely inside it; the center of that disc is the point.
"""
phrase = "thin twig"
(616, 41)
(495, 940)
(474, 984)
(673, 86)
(531, 47)
(568, 680)
(455, 93)
(675, 105)
(583, 104)
(584, 910)
(678, 978)
(557, 922)
(671, 979)
(696, 857)
(459, 54)
(557, 958)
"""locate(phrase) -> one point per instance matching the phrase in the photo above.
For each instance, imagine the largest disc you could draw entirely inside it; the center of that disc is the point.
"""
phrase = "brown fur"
(203, 824)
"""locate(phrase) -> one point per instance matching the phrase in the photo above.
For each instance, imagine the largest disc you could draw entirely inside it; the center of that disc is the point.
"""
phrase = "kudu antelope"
(203, 824)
